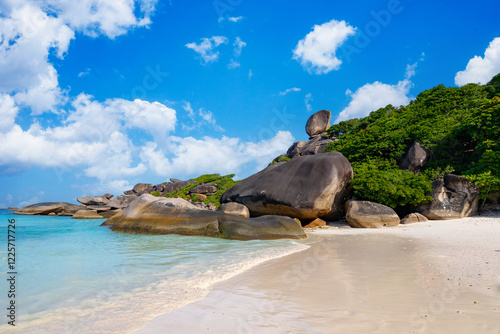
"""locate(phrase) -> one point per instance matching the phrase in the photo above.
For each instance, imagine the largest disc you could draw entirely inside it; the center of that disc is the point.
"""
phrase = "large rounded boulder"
(306, 187)
(318, 123)
(153, 215)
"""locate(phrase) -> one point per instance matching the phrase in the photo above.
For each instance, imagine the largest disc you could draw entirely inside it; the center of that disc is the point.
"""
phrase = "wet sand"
(433, 277)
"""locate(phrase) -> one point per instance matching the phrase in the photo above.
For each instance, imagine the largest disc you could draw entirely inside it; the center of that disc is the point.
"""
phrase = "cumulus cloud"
(207, 48)
(481, 69)
(93, 136)
(95, 17)
(373, 96)
(226, 155)
(317, 51)
(289, 90)
(28, 36)
(33, 30)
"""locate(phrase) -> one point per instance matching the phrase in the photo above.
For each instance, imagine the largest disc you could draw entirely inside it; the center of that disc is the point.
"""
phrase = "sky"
(96, 96)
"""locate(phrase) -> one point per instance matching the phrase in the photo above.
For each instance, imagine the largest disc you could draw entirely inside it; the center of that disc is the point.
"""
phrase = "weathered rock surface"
(318, 123)
(415, 159)
(316, 223)
(414, 218)
(86, 214)
(234, 209)
(110, 213)
(46, 208)
(99, 208)
(454, 197)
(141, 187)
(493, 198)
(12, 208)
(206, 189)
(121, 202)
(108, 196)
(153, 215)
(93, 200)
(307, 187)
(316, 145)
(366, 214)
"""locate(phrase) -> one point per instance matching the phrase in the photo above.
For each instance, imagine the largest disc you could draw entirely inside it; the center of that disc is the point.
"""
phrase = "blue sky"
(96, 96)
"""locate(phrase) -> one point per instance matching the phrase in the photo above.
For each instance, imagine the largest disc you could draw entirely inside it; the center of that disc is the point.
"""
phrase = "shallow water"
(75, 276)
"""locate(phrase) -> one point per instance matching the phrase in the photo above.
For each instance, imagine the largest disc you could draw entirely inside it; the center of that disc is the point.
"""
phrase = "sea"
(75, 276)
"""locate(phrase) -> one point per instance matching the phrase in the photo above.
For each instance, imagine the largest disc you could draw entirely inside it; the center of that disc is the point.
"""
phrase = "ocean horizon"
(75, 276)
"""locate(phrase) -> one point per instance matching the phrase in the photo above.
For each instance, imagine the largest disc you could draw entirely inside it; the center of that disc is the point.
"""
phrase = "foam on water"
(77, 277)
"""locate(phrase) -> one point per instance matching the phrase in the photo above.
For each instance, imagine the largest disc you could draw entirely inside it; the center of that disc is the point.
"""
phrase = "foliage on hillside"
(223, 184)
(460, 127)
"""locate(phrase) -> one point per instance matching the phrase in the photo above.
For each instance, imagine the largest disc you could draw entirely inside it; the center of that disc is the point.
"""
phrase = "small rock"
(234, 208)
(414, 218)
(316, 223)
(86, 214)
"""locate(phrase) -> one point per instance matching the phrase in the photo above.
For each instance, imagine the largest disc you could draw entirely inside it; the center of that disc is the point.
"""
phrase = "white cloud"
(207, 48)
(317, 51)
(28, 36)
(235, 19)
(233, 64)
(31, 30)
(8, 112)
(250, 74)
(95, 17)
(238, 46)
(373, 96)
(290, 90)
(206, 118)
(307, 101)
(211, 155)
(84, 73)
(481, 69)
(93, 136)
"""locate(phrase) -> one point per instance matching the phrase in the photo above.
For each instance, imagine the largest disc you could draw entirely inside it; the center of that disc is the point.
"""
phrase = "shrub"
(392, 187)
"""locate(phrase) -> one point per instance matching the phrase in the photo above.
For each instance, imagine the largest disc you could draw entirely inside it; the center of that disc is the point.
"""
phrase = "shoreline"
(437, 276)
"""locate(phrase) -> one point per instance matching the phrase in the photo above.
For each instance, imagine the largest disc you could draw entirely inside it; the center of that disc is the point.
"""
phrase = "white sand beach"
(433, 277)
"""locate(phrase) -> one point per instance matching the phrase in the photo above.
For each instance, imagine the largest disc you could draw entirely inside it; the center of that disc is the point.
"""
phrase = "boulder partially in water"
(48, 207)
(153, 215)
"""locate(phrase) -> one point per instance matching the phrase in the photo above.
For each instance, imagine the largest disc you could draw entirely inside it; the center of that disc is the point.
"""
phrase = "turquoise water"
(75, 276)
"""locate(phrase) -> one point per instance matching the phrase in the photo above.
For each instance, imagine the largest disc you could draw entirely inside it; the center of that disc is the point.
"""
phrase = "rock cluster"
(454, 197)
(153, 215)
(162, 188)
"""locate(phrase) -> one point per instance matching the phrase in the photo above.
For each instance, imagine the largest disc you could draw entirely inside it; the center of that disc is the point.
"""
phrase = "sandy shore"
(434, 277)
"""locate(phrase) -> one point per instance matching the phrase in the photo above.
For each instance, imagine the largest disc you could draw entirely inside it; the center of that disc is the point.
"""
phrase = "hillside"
(459, 127)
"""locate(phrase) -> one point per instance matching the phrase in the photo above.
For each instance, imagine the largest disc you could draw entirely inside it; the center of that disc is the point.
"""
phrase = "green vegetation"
(155, 193)
(460, 127)
(281, 158)
(391, 187)
(223, 184)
